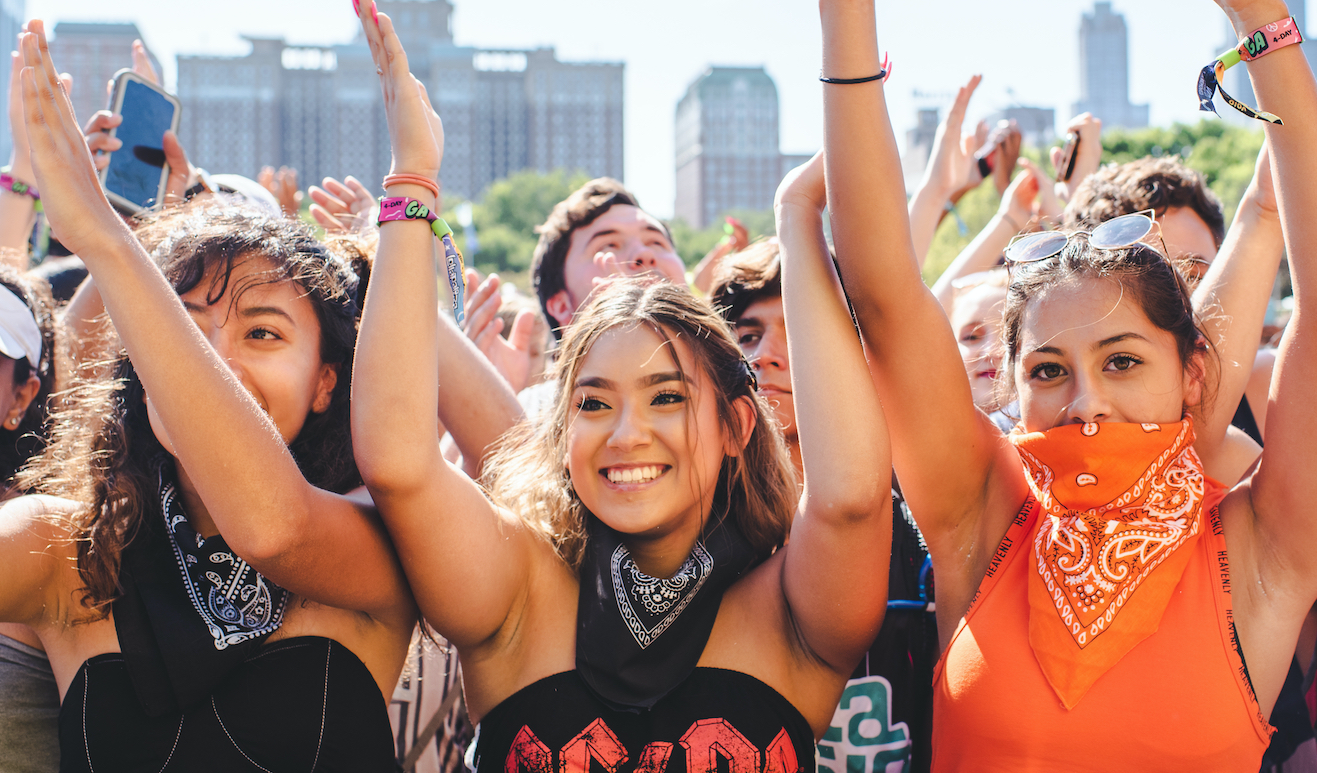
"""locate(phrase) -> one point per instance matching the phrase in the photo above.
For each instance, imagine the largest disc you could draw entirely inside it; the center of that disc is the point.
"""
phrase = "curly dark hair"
(745, 278)
(1159, 184)
(102, 444)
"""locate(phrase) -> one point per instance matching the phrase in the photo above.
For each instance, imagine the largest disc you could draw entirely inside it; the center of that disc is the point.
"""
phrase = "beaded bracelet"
(413, 179)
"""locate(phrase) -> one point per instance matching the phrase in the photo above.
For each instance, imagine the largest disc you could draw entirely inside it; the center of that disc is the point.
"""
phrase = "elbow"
(859, 499)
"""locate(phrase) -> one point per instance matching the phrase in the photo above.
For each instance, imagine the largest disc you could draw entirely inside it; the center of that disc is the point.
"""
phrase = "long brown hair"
(758, 488)
(102, 446)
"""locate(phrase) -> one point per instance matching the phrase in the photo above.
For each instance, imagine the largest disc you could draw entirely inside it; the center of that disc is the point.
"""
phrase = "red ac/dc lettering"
(710, 744)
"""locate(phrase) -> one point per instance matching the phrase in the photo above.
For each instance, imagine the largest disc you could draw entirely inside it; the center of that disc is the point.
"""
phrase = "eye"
(748, 339)
(590, 404)
(1123, 362)
(668, 398)
(264, 334)
(1046, 371)
(970, 336)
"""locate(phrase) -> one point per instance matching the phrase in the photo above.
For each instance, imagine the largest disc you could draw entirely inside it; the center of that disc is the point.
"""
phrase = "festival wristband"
(1262, 41)
(9, 183)
(403, 208)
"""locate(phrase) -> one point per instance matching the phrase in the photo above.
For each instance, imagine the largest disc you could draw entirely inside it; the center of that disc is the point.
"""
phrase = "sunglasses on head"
(1116, 233)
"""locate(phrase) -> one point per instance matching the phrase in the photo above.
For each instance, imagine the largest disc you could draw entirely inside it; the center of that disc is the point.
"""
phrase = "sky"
(1027, 51)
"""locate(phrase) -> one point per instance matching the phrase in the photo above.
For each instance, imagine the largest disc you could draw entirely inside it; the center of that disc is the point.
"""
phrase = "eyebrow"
(247, 312)
(748, 321)
(614, 232)
(653, 379)
(1099, 345)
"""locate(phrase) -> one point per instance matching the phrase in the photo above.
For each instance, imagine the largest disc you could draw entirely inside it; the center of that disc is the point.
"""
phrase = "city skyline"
(666, 46)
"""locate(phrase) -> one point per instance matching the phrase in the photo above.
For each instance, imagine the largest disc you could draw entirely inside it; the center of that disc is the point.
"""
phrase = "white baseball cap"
(20, 337)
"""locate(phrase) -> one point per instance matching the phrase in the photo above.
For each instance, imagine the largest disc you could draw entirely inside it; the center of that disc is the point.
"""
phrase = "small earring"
(12, 422)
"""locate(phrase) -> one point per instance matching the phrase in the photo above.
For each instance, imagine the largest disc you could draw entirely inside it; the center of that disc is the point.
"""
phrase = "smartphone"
(1065, 167)
(134, 180)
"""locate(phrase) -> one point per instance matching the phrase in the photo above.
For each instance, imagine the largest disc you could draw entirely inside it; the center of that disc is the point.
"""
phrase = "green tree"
(694, 244)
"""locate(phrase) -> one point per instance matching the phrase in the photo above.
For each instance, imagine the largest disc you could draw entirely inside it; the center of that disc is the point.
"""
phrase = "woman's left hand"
(80, 216)
(416, 148)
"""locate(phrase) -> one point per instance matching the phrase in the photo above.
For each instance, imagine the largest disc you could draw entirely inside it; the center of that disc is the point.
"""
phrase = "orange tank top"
(1179, 700)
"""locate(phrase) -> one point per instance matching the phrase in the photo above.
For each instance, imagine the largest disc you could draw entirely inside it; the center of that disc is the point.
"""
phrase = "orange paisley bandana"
(1119, 503)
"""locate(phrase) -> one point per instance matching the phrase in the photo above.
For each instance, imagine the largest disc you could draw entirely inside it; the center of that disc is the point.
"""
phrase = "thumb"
(522, 328)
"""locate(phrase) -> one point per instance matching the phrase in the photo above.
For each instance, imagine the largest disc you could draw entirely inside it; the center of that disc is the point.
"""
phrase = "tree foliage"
(694, 244)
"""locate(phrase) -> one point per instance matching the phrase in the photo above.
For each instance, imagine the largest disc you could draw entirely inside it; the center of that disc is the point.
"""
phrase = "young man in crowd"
(892, 686)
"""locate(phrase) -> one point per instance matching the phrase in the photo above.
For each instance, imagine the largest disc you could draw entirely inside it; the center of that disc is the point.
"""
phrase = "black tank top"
(715, 720)
(302, 704)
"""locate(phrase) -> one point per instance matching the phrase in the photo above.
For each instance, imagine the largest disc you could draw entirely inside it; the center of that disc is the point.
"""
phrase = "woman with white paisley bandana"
(208, 597)
(1103, 602)
(622, 593)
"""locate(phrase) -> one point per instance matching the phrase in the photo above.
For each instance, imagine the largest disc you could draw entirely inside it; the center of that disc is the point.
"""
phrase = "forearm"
(18, 212)
(846, 455)
(476, 405)
(1232, 303)
(395, 427)
(979, 255)
(925, 211)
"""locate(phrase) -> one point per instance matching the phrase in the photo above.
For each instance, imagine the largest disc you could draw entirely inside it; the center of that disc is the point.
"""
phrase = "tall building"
(1237, 83)
(919, 146)
(11, 23)
(1037, 124)
(319, 108)
(92, 53)
(1104, 70)
(726, 144)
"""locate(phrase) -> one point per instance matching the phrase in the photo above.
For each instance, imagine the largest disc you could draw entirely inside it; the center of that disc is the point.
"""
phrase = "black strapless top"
(302, 704)
(715, 720)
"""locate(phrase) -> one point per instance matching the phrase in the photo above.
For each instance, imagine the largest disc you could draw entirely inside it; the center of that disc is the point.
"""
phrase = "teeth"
(634, 474)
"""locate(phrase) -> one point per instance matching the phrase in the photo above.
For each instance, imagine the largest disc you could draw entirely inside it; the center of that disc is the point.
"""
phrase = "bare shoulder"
(38, 518)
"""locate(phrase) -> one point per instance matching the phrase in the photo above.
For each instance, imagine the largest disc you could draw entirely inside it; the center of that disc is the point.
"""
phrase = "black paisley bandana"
(191, 608)
(638, 637)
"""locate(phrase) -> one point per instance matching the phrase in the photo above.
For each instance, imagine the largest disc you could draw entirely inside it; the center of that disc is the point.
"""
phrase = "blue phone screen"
(135, 169)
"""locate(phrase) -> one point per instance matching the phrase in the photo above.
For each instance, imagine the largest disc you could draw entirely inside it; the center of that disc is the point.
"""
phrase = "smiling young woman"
(1089, 567)
(623, 592)
(206, 594)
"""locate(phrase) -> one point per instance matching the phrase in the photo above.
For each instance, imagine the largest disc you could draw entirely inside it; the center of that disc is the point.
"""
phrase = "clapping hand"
(417, 149)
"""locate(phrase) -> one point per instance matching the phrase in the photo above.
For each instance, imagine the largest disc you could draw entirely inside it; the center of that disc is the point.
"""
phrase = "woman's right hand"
(416, 148)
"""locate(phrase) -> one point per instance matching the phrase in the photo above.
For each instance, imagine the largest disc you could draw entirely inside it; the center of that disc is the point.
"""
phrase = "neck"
(196, 511)
(660, 556)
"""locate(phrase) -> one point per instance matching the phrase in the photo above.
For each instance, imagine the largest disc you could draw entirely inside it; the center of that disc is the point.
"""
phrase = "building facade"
(726, 144)
(11, 23)
(319, 109)
(92, 53)
(1104, 70)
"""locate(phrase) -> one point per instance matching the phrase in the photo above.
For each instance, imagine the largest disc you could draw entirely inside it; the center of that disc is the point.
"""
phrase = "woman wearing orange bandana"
(1104, 603)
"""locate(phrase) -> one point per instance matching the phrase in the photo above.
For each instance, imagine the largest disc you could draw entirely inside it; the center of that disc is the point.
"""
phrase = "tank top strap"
(1213, 543)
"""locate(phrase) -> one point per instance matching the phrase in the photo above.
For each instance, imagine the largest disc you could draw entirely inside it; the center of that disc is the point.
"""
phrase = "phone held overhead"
(135, 177)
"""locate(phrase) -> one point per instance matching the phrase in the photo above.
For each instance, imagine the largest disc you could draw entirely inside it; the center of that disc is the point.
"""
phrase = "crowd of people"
(270, 504)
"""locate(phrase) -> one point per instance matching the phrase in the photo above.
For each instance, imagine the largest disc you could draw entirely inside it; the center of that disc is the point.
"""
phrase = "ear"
(24, 394)
(745, 416)
(1194, 375)
(325, 388)
(561, 308)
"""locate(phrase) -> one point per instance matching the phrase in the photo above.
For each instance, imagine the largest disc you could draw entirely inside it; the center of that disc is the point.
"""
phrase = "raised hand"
(1088, 156)
(510, 356)
(341, 206)
(80, 216)
(951, 166)
(283, 186)
(804, 187)
(416, 149)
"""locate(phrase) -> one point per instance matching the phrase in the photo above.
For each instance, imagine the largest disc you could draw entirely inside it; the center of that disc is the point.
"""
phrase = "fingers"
(179, 169)
(522, 329)
(142, 63)
(266, 178)
(956, 116)
(326, 201)
(342, 193)
(322, 216)
(482, 306)
(364, 198)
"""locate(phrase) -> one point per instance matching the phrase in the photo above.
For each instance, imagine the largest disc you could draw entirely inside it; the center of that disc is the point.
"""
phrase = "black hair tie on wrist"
(848, 81)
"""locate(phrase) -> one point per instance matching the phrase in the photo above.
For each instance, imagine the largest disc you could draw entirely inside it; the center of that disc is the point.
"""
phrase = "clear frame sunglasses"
(1116, 233)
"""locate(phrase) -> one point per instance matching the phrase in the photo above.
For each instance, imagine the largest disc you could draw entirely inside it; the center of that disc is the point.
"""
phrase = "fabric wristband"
(397, 208)
(1262, 41)
(9, 183)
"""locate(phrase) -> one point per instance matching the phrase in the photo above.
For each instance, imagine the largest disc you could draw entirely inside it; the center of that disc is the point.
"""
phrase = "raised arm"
(951, 167)
(466, 562)
(1232, 300)
(917, 368)
(842, 534)
(1013, 216)
(315, 543)
(1283, 488)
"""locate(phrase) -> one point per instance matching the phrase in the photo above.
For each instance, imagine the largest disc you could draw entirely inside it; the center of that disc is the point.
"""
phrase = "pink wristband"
(1268, 38)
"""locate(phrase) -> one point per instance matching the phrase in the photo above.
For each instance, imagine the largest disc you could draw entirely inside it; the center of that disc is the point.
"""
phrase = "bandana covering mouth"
(638, 637)
(1121, 504)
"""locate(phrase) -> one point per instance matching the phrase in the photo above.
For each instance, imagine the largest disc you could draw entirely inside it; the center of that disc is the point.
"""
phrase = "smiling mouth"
(764, 390)
(634, 475)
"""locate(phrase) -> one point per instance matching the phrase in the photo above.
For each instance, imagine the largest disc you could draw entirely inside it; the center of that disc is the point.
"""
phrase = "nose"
(225, 348)
(771, 352)
(639, 258)
(1089, 403)
(631, 431)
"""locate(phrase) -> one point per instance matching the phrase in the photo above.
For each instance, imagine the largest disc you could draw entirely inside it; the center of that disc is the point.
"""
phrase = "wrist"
(1256, 15)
